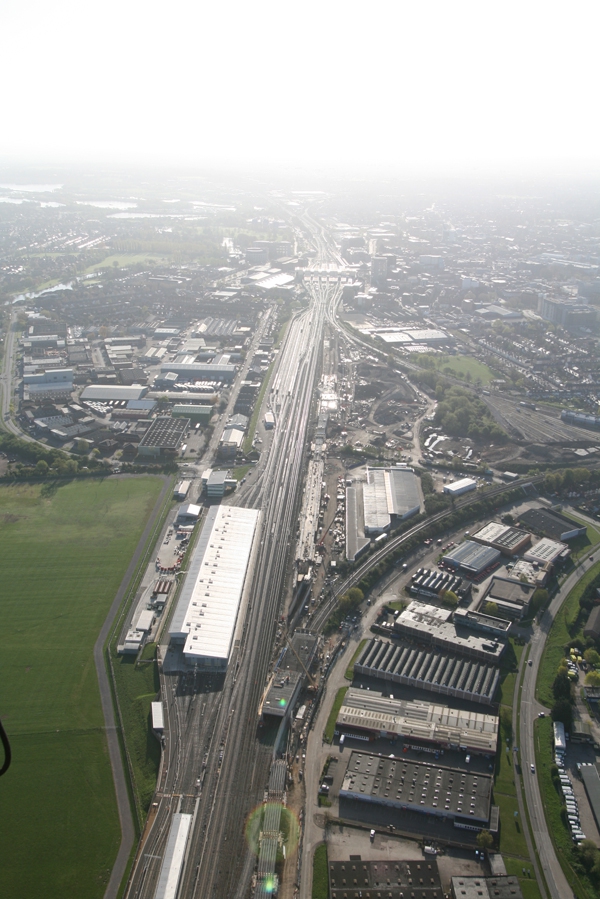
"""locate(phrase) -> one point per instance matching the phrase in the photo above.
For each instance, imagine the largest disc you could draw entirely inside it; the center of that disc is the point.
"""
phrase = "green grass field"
(125, 259)
(337, 704)
(320, 883)
(463, 367)
(63, 552)
(349, 675)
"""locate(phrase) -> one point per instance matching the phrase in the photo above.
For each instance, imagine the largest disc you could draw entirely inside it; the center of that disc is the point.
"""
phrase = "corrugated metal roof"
(207, 610)
(172, 865)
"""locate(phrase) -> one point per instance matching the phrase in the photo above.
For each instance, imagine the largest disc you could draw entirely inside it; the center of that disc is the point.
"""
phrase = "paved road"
(112, 738)
(529, 709)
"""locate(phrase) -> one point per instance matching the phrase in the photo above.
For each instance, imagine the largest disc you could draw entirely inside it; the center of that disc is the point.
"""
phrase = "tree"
(539, 599)
(355, 595)
(484, 839)
(562, 711)
(491, 608)
(592, 678)
(41, 468)
(592, 657)
(449, 598)
(561, 687)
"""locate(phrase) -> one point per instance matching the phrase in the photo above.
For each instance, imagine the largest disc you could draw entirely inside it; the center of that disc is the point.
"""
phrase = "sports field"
(63, 552)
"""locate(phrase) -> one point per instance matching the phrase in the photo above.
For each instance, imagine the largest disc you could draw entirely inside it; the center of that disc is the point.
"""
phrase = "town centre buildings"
(206, 614)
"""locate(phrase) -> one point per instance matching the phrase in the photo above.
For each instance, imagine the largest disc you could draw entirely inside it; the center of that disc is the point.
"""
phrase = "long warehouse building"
(429, 669)
(206, 614)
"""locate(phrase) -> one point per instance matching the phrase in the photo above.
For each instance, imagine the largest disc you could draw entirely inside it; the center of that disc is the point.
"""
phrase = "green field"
(63, 553)
(125, 259)
(337, 704)
(462, 367)
(320, 883)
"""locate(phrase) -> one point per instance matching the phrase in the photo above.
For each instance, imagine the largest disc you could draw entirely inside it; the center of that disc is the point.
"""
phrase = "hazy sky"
(329, 82)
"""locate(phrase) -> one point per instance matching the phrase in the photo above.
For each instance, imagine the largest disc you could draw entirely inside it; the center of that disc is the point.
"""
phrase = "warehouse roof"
(427, 623)
(546, 552)
(502, 537)
(509, 590)
(358, 879)
(367, 710)
(207, 610)
(165, 432)
(472, 557)
(110, 392)
(552, 524)
(429, 669)
(425, 787)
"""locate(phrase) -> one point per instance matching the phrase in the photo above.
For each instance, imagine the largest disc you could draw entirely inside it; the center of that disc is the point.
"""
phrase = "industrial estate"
(353, 648)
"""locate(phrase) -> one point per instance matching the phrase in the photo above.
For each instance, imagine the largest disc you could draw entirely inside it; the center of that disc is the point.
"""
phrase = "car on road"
(530, 662)
(532, 769)
(541, 714)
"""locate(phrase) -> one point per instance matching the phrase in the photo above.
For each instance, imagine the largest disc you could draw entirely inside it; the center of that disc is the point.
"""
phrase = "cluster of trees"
(461, 414)
(588, 857)
(571, 479)
(347, 604)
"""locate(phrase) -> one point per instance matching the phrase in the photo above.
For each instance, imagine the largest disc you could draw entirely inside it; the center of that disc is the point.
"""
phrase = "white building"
(206, 614)
(457, 488)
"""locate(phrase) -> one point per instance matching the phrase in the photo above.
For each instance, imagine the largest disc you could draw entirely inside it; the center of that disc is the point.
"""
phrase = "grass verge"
(557, 828)
(64, 548)
(337, 704)
(247, 447)
(564, 629)
(320, 883)
(349, 675)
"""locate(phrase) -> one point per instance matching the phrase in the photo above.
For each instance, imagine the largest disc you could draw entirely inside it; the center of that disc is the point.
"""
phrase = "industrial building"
(512, 597)
(215, 482)
(200, 371)
(592, 626)
(429, 669)
(360, 879)
(591, 782)
(425, 787)
(356, 543)
(509, 541)
(430, 624)
(471, 559)
(500, 887)
(552, 524)
(547, 552)
(423, 723)
(158, 717)
(206, 614)
(497, 628)
(430, 583)
(110, 393)
(389, 493)
(193, 411)
(457, 488)
(164, 436)
(182, 489)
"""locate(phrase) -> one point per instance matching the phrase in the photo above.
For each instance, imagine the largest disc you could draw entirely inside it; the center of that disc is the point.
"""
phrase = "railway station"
(424, 723)
(429, 669)
(206, 614)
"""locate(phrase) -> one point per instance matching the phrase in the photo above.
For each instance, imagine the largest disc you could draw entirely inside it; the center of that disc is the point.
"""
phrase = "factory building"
(430, 624)
(389, 493)
(507, 540)
(109, 393)
(457, 488)
(356, 543)
(471, 559)
(206, 615)
(512, 597)
(463, 797)
(552, 524)
(354, 879)
(200, 371)
(192, 411)
(164, 436)
(500, 887)
(429, 669)
(547, 552)
(416, 722)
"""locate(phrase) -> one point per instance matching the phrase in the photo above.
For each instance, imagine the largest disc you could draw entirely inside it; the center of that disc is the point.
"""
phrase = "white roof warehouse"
(207, 610)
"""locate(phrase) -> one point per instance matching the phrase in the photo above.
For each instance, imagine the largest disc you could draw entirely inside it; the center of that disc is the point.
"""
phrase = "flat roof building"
(192, 411)
(206, 614)
(200, 371)
(164, 436)
(430, 624)
(429, 669)
(389, 493)
(509, 541)
(360, 879)
(173, 858)
(553, 524)
(512, 597)
(106, 393)
(457, 488)
(471, 559)
(426, 723)
(424, 787)
(547, 552)
(500, 887)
